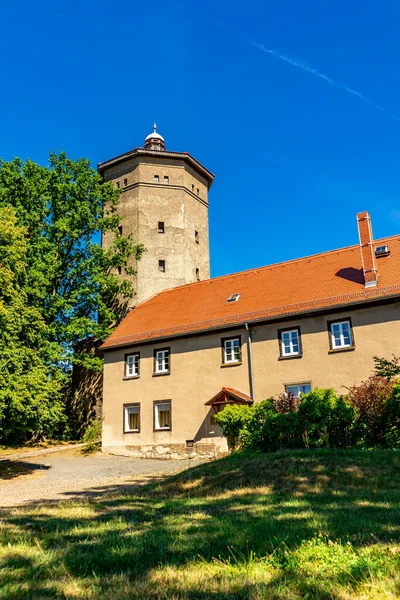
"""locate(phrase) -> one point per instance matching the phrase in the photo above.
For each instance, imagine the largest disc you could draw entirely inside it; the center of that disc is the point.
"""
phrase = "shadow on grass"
(15, 468)
(234, 511)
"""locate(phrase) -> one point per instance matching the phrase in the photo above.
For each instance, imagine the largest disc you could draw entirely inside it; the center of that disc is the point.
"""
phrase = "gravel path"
(69, 475)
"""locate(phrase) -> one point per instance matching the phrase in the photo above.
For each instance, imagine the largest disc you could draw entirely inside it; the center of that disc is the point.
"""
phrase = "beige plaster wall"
(376, 332)
(197, 375)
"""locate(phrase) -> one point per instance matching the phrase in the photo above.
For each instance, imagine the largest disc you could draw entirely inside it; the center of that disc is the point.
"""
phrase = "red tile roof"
(326, 280)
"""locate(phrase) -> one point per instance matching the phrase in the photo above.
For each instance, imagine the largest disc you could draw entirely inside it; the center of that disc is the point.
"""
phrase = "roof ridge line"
(273, 265)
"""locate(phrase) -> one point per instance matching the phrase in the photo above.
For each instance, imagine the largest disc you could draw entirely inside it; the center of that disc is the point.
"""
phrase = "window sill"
(163, 429)
(290, 356)
(130, 377)
(161, 374)
(233, 364)
(335, 350)
(129, 432)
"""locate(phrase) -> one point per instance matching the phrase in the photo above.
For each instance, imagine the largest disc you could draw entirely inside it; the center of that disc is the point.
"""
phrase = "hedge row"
(368, 416)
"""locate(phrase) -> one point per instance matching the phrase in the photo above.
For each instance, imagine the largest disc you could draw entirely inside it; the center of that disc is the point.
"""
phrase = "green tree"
(67, 283)
(388, 368)
(30, 383)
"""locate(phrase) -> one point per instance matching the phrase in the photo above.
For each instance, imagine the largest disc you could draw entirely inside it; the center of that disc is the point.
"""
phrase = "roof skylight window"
(233, 298)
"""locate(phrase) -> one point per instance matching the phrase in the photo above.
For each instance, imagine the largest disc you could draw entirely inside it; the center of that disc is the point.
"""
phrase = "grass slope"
(307, 524)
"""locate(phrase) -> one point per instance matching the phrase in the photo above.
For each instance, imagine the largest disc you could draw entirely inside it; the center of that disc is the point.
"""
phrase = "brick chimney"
(367, 249)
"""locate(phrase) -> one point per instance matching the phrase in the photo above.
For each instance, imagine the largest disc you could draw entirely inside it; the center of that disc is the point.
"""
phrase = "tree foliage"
(58, 286)
(388, 368)
(30, 383)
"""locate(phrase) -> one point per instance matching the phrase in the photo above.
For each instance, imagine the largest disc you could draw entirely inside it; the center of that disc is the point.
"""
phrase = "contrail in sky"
(308, 69)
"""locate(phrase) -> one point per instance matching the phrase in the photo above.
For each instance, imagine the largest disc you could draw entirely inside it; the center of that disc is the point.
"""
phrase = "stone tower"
(164, 205)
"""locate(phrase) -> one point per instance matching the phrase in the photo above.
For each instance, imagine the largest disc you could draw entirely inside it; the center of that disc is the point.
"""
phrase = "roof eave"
(143, 152)
(264, 319)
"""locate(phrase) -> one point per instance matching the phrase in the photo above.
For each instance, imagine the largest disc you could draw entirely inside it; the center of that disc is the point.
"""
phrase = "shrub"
(232, 419)
(269, 430)
(370, 399)
(92, 436)
(322, 419)
(391, 434)
(325, 419)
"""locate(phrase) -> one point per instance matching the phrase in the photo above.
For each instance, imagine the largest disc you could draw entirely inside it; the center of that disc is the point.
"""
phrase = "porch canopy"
(228, 395)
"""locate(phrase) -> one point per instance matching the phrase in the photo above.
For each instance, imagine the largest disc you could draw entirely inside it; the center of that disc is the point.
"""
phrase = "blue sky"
(295, 156)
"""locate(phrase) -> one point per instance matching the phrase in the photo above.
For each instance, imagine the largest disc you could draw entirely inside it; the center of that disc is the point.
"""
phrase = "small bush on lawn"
(370, 399)
(325, 419)
(232, 419)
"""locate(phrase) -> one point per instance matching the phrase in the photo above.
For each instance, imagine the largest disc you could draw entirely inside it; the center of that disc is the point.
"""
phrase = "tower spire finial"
(154, 141)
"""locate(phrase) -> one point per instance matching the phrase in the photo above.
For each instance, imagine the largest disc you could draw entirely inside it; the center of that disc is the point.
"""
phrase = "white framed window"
(290, 342)
(156, 178)
(162, 361)
(341, 336)
(132, 418)
(132, 365)
(162, 415)
(298, 388)
(231, 351)
(166, 179)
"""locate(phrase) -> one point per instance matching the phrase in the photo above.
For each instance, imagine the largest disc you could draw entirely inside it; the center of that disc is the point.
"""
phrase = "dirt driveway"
(68, 474)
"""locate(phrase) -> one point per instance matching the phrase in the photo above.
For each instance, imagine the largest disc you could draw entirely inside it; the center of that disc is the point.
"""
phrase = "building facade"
(164, 205)
(184, 354)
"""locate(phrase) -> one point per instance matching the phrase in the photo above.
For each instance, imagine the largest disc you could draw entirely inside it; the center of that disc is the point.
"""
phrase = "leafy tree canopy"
(58, 286)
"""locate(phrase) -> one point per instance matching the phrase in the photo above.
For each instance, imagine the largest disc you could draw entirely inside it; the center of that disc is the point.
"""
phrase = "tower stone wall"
(165, 187)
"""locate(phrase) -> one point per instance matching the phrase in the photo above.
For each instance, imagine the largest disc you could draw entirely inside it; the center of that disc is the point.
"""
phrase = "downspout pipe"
(250, 359)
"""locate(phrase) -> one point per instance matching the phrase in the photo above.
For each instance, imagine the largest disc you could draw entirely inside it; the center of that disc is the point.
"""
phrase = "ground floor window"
(298, 388)
(162, 415)
(132, 418)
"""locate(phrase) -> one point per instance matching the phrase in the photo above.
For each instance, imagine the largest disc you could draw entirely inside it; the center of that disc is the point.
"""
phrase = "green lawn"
(306, 524)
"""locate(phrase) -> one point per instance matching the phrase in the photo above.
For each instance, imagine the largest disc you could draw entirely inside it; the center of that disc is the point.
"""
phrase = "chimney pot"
(367, 249)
